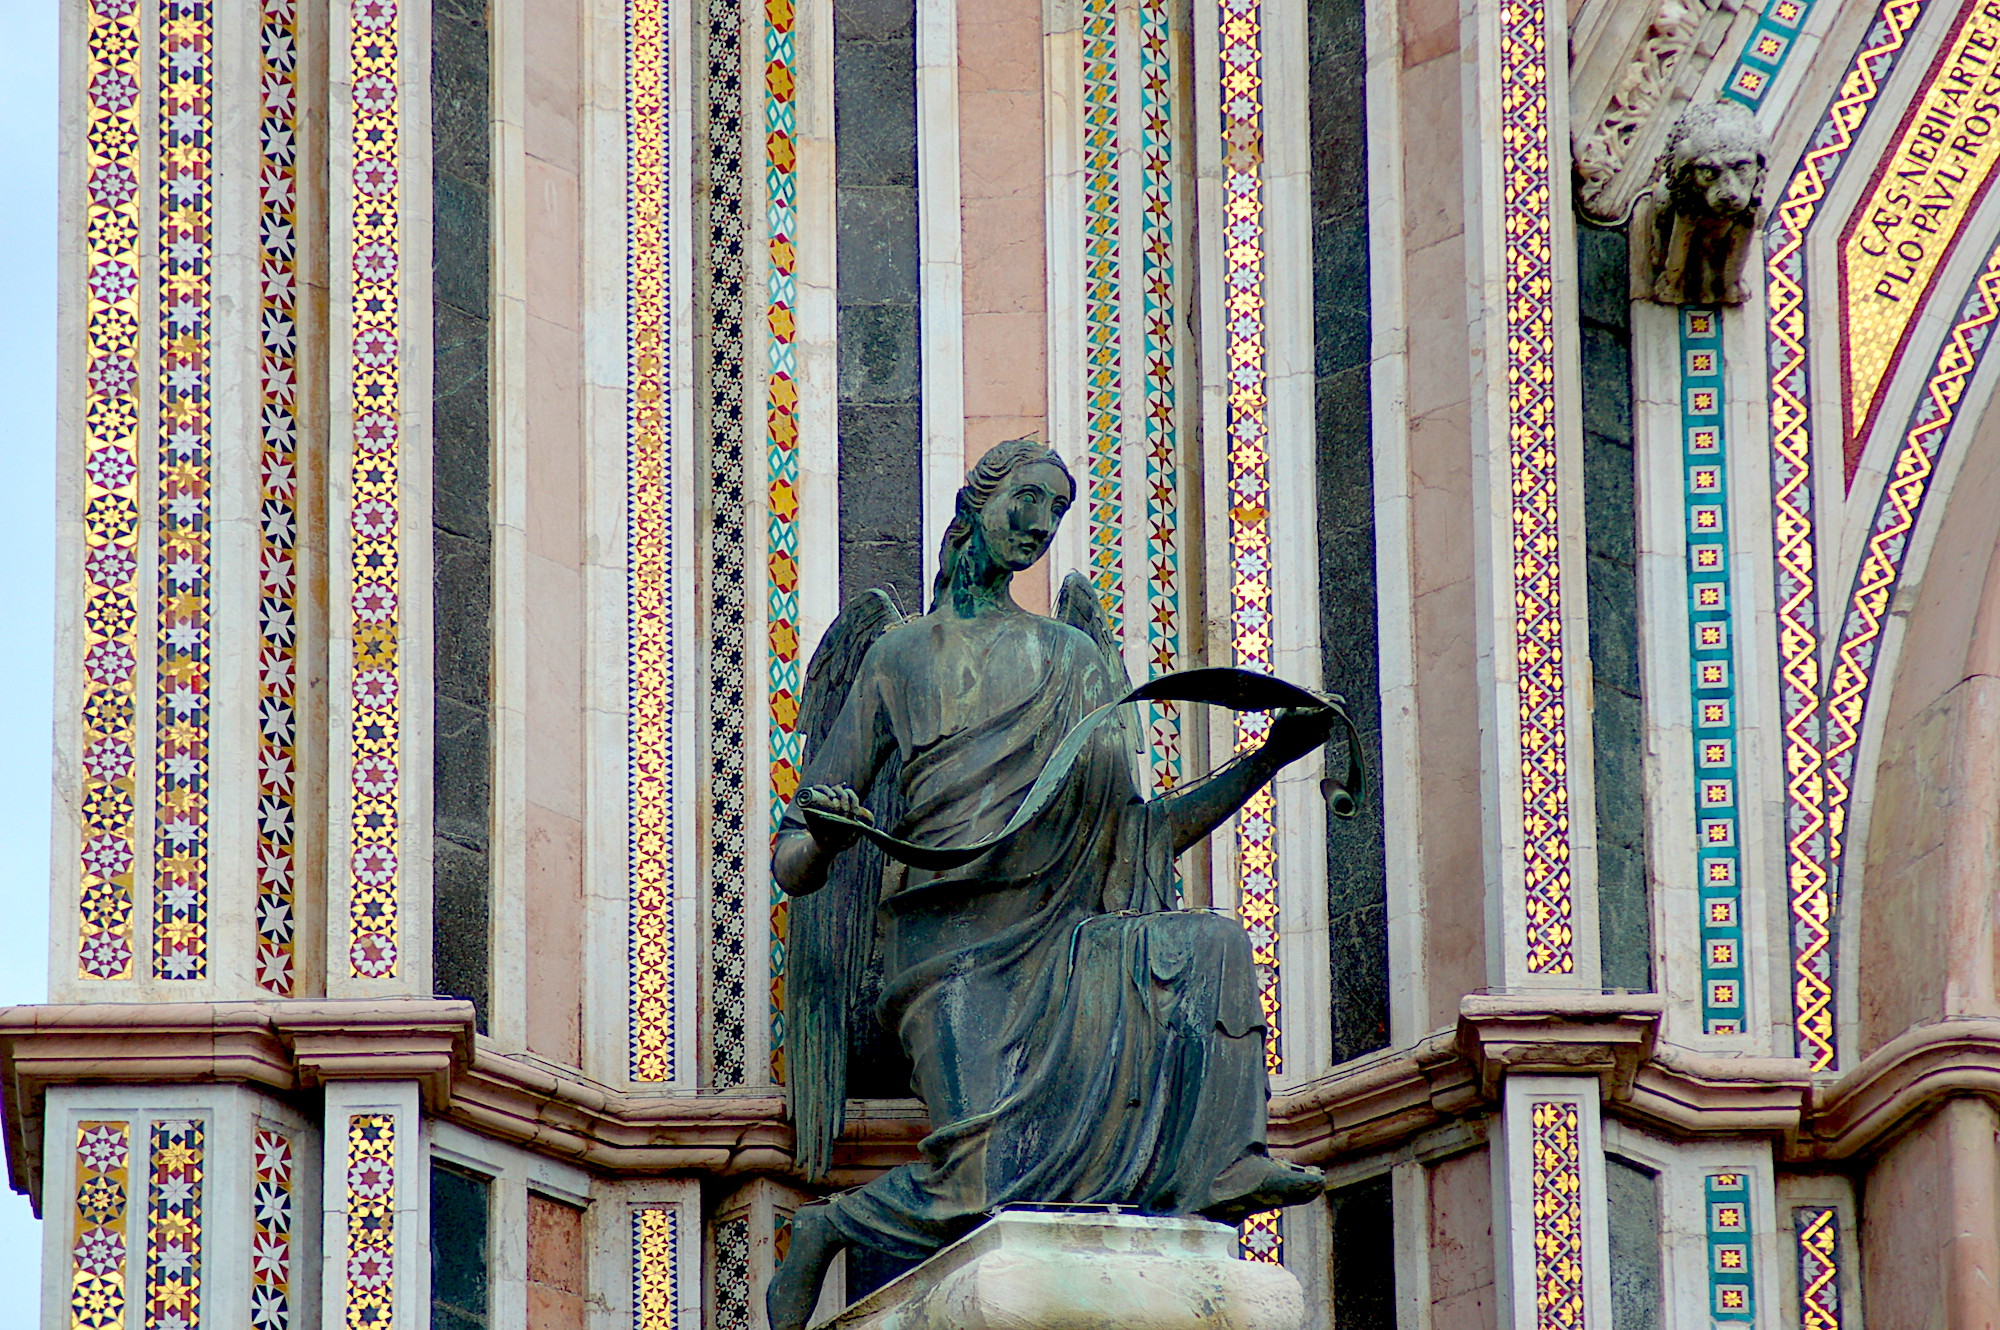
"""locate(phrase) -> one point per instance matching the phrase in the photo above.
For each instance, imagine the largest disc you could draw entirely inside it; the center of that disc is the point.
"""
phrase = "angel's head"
(1008, 509)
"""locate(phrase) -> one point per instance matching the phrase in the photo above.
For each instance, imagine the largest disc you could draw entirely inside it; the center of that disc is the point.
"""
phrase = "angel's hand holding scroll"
(832, 837)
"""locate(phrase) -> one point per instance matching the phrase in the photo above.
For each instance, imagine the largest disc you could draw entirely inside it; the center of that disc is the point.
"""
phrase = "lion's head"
(1714, 163)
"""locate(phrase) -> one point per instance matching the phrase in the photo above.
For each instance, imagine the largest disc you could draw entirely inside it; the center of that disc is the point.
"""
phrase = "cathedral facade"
(474, 412)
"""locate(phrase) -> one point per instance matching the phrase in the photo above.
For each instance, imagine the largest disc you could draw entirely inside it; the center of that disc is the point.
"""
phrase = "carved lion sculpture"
(1691, 232)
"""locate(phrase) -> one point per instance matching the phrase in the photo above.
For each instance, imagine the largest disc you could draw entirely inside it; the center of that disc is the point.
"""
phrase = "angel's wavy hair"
(982, 482)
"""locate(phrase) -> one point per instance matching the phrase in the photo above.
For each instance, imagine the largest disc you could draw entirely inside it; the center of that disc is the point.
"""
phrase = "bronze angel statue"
(974, 862)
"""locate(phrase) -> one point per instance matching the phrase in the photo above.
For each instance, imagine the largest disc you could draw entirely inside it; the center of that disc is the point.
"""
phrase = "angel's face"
(1020, 520)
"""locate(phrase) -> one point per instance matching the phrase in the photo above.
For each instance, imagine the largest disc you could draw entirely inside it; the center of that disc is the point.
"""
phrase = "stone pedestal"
(1069, 1270)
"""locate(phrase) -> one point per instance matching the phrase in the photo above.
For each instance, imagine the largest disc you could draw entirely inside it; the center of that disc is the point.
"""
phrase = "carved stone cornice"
(1372, 1104)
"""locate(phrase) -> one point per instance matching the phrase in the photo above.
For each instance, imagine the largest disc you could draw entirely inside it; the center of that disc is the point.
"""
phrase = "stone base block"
(1072, 1270)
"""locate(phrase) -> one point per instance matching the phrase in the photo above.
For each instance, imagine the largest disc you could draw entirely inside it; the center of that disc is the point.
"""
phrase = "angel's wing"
(1078, 606)
(831, 950)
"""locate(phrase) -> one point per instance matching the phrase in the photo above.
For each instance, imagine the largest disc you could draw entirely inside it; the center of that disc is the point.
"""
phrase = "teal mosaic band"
(1711, 641)
(1777, 31)
(1730, 1297)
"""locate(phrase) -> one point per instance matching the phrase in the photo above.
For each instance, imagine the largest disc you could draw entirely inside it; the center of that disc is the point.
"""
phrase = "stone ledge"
(1068, 1270)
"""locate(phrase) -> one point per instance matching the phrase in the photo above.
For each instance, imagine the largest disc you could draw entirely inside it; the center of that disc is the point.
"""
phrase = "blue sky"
(27, 525)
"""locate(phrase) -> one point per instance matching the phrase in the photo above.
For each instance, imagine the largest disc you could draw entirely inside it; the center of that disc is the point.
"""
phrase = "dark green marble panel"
(1632, 1196)
(1364, 1256)
(458, 1250)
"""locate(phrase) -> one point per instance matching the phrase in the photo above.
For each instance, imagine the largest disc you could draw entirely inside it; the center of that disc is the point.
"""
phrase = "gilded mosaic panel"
(271, 1206)
(1248, 442)
(655, 1277)
(109, 835)
(374, 283)
(1536, 482)
(370, 1195)
(781, 440)
(174, 1225)
(1555, 1195)
(97, 1226)
(649, 534)
(1816, 1230)
(1907, 222)
(185, 570)
(278, 494)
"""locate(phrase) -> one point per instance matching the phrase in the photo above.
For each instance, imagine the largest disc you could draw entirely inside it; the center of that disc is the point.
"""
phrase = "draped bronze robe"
(1075, 1039)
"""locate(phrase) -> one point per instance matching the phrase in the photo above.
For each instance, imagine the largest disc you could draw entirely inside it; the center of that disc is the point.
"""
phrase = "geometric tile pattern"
(271, 1236)
(184, 565)
(278, 486)
(1556, 1201)
(1163, 597)
(728, 566)
(649, 520)
(110, 487)
(173, 1226)
(374, 514)
(371, 1221)
(732, 1274)
(655, 1297)
(278, 483)
(1817, 1230)
(1248, 442)
(781, 437)
(1262, 1238)
(1730, 1299)
(1536, 483)
(1811, 839)
(1103, 278)
(97, 1242)
(1777, 31)
(1712, 660)
(1930, 178)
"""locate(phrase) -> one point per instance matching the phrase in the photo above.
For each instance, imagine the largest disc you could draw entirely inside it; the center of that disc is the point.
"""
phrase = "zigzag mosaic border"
(1103, 291)
(1812, 830)
(1816, 1233)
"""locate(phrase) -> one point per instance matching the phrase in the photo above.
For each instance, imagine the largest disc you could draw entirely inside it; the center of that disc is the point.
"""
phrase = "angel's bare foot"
(794, 1290)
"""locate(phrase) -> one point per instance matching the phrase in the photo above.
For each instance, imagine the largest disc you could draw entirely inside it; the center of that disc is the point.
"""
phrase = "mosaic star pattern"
(1730, 1299)
(732, 1274)
(1712, 660)
(110, 489)
(182, 702)
(1103, 278)
(1242, 44)
(729, 569)
(271, 1234)
(655, 1297)
(278, 485)
(1817, 1231)
(649, 533)
(781, 438)
(1556, 1201)
(371, 1221)
(374, 478)
(173, 1225)
(1811, 837)
(1536, 483)
(1777, 31)
(1163, 602)
(97, 1226)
